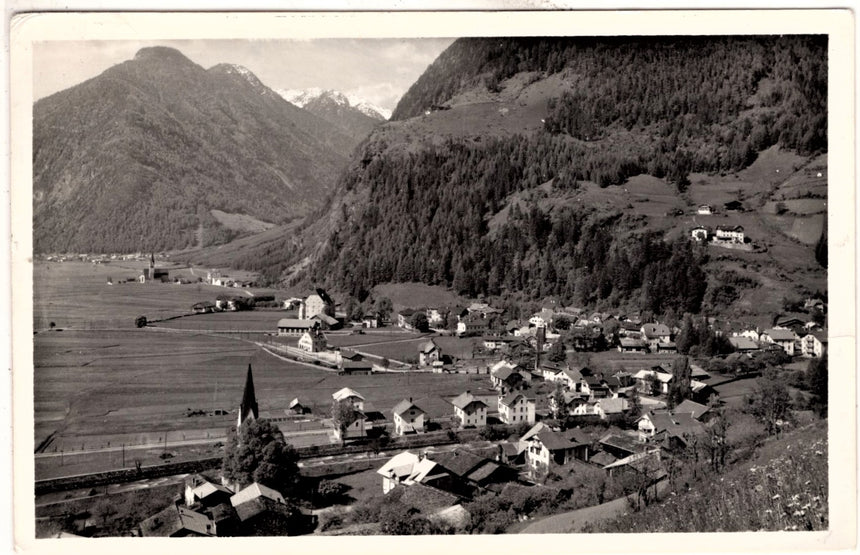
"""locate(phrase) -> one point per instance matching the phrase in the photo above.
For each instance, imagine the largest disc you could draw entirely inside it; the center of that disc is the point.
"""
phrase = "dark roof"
(693, 407)
(577, 436)
(427, 499)
(622, 442)
(404, 406)
(259, 505)
(459, 461)
(511, 397)
(347, 364)
(407, 312)
(655, 330)
(554, 441)
(248, 406)
(602, 458)
(174, 519)
(676, 424)
(730, 228)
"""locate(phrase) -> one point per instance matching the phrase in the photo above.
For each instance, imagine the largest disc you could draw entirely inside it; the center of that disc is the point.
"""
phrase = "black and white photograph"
(508, 281)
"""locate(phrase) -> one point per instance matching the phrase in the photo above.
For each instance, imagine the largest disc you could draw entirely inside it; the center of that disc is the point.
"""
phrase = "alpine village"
(565, 285)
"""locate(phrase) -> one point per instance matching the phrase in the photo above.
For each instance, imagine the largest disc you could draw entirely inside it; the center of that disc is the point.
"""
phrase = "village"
(552, 406)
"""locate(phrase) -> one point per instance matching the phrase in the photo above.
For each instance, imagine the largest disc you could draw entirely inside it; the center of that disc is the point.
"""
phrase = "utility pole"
(123, 455)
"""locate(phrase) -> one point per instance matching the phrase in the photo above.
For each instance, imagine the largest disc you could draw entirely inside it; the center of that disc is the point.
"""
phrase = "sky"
(376, 70)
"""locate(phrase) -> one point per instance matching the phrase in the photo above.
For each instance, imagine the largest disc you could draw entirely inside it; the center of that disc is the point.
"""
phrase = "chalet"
(471, 471)
(471, 325)
(671, 427)
(550, 371)
(404, 317)
(734, 206)
(616, 406)
(782, 337)
(347, 394)
(668, 347)
(743, 344)
(325, 321)
(646, 464)
(469, 410)
(370, 322)
(483, 310)
(177, 522)
(299, 406)
(312, 342)
(700, 234)
(814, 344)
(698, 411)
(316, 303)
(546, 448)
(354, 424)
(729, 234)
(503, 374)
(653, 334)
(586, 407)
(542, 319)
(295, 326)
(408, 418)
(263, 511)
(428, 353)
(200, 490)
(630, 345)
(644, 379)
(516, 407)
(203, 307)
(355, 368)
(704, 210)
(408, 468)
(566, 403)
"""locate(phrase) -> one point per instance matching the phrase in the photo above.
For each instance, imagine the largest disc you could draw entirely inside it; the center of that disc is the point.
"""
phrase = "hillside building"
(316, 303)
(729, 234)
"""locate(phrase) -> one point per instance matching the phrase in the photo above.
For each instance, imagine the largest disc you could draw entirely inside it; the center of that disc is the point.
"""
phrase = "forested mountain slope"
(486, 180)
(137, 157)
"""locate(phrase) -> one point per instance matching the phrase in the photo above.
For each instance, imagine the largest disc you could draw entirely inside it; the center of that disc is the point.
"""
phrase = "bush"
(140, 321)
(330, 491)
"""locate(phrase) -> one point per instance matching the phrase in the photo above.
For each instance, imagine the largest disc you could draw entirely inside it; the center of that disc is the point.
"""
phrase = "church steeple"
(248, 407)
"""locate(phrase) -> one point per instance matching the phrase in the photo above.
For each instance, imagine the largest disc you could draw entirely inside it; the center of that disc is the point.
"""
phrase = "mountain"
(138, 157)
(355, 117)
(527, 168)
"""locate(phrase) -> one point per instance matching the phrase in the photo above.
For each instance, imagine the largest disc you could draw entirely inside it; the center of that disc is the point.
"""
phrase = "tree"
(419, 322)
(558, 352)
(770, 401)
(383, 307)
(715, 440)
(816, 374)
(679, 387)
(634, 406)
(52, 325)
(343, 414)
(821, 247)
(257, 452)
(557, 398)
(140, 321)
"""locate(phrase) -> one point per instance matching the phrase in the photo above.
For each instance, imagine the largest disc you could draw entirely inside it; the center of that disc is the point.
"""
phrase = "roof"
(347, 364)
(577, 436)
(511, 449)
(435, 406)
(258, 505)
(613, 406)
(820, 335)
(173, 519)
(697, 409)
(254, 491)
(459, 461)
(646, 374)
(553, 441)
(741, 343)
(465, 399)
(400, 464)
(509, 399)
(207, 488)
(427, 347)
(630, 342)
(407, 312)
(602, 458)
(323, 317)
(427, 499)
(346, 393)
(622, 442)
(730, 227)
(655, 330)
(404, 406)
(294, 323)
(676, 424)
(298, 401)
(779, 335)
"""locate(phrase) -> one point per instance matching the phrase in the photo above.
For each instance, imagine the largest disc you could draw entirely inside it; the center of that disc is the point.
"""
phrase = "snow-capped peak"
(301, 98)
(372, 110)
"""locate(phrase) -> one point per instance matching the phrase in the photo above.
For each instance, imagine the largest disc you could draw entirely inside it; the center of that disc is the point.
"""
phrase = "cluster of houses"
(723, 235)
(214, 277)
(801, 340)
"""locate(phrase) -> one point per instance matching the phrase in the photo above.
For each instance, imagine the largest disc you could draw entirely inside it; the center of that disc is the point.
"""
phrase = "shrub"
(140, 321)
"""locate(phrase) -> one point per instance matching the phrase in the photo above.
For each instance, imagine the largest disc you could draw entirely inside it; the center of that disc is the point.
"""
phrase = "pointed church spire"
(248, 407)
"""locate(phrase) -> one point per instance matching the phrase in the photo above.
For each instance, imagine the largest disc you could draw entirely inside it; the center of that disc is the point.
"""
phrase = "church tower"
(248, 407)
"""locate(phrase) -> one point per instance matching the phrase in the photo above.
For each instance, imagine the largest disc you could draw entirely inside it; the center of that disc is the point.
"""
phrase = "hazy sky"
(378, 70)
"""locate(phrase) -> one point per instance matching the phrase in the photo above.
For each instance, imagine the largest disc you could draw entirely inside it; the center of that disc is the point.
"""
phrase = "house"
(516, 407)
(585, 407)
(814, 344)
(782, 337)
(349, 354)
(550, 371)
(470, 411)
(348, 367)
(408, 468)
(263, 511)
(702, 392)
(352, 424)
(666, 425)
(312, 341)
(644, 379)
(408, 418)
(326, 322)
(200, 490)
(734, 206)
(347, 394)
(203, 307)
(700, 234)
(697, 410)
(177, 522)
(404, 317)
(621, 445)
(472, 325)
(546, 448)
(435, 315)
(743, 344)
(494, 343)
(667, 347)
(428, 353)
(542, 319)
(615, 406)
(704, 210)
(507, 375)
(483, 310)
(370, 321)
(630, 345)
(471, 471)
(654, 333)
(295, 326)
(299, 406)
(730, 234)
(316, 303)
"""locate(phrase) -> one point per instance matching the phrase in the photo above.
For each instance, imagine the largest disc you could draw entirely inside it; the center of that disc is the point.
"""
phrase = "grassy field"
(371, 337)
(249, 320)
(76, 294)
(403, 351)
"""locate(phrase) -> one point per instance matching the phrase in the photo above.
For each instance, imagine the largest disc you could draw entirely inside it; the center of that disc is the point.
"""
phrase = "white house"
(516, 408)
(814, 344)
(783, 338)
(542, 319)
(730, 234)
(699, 233)
(704, 210)
(408, 468)
(471, 411)
(351, 395)
(312, 342)
(408, 418)
(644, 379)
(316, 303)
